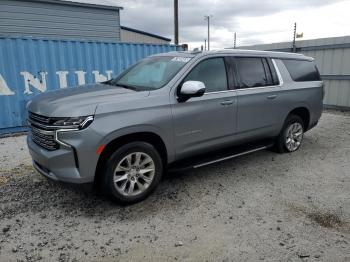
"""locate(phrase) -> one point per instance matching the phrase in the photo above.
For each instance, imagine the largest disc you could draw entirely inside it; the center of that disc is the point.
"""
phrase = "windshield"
(150, 73)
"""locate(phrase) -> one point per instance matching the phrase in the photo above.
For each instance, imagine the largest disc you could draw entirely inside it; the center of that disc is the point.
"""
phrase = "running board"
(208, 159)
(230, 157)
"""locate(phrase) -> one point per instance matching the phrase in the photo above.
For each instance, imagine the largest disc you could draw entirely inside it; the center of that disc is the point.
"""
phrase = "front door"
(206, 122)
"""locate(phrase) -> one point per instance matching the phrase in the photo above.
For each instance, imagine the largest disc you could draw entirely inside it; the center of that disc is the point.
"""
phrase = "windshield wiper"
(111, 83)
(134, 88)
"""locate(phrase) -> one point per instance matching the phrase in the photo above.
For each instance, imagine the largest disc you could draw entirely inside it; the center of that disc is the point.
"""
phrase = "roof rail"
(194, 52)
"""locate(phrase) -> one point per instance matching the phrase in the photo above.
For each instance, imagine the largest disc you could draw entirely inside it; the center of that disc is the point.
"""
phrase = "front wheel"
(133, 172)
(291, 136)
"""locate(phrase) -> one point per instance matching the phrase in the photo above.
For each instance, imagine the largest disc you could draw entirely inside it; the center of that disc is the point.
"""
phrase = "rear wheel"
(133, 172)
(291, 136)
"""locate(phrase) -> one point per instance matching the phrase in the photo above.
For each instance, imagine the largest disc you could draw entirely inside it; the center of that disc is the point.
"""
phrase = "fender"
(301, 104)
(143, 128)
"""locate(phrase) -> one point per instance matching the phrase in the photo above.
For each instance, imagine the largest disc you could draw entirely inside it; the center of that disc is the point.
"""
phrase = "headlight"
(73, 122)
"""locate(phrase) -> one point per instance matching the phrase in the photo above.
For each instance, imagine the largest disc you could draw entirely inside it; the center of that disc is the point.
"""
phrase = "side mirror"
(191, 89)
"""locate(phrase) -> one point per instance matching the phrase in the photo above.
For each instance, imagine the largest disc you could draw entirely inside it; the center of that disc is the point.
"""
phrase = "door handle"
(272, 97)
(227, 102)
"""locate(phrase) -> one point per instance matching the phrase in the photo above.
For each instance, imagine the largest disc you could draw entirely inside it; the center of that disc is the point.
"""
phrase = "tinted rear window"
(301, 70)
(253, 72)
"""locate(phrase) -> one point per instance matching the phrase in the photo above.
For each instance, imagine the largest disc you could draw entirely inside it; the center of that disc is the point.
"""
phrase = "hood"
(80, 101)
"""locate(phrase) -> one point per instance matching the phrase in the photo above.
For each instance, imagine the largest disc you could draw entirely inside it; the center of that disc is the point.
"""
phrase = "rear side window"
(253, 72)
(302, 70)
(212, 72)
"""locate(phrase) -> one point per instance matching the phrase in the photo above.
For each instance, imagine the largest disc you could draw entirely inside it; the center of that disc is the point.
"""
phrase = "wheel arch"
(149, 137)
(304, 114)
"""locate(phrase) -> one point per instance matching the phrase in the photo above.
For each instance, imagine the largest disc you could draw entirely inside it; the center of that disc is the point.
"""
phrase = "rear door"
(257, 97)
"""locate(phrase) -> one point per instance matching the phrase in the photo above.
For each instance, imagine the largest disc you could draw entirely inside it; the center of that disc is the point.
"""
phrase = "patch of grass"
(3, 180)
(20, 170)
(325, 219)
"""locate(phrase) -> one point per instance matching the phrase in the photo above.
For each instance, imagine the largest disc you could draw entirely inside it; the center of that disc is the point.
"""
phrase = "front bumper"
(59, 165)
(74, 163)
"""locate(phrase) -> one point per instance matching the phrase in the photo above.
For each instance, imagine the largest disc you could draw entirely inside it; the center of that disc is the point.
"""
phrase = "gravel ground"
(264, 206)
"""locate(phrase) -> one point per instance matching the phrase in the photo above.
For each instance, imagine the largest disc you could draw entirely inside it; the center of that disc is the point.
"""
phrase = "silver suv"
(171, 110)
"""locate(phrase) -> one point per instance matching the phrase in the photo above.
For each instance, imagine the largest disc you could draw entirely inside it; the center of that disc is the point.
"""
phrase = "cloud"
(255, 21)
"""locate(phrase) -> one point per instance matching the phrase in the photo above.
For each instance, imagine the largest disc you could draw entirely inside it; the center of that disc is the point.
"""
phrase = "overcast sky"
(255, 21)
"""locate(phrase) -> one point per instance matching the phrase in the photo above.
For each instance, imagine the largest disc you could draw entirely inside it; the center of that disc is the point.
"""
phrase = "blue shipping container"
(31, 66)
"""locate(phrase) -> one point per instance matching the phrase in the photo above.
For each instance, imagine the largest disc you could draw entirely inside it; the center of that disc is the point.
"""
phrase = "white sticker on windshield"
(181, 59)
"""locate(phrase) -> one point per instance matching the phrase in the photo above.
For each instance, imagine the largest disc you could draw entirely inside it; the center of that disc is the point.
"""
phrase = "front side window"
(212, 72)
(150, 73)
(253, 72)
(302, 70)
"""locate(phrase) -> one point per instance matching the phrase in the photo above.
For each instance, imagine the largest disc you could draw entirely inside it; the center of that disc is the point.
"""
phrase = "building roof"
(305, 45)
(145, 33)
(101, 4)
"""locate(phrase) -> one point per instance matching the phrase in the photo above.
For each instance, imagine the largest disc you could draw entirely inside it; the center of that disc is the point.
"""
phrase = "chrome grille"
(38, 118)
(43, 137)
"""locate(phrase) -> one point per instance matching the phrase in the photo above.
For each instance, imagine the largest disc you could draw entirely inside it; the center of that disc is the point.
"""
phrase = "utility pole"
(176, 22)
(234, 41)
(207, 17)
(205, 44)
(294, 36)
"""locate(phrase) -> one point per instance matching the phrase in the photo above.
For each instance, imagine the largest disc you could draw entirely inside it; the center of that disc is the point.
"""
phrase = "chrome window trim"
(258, 87)
(279, 76)
(280, 79)
(219, 92)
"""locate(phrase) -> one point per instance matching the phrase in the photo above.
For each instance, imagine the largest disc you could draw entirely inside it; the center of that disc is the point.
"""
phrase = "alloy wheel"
(134, 174)
(294, 136)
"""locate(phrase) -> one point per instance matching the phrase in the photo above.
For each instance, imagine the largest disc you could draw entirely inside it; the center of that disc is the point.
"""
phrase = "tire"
(137, 167)
(291, 135)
